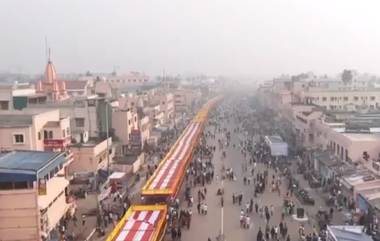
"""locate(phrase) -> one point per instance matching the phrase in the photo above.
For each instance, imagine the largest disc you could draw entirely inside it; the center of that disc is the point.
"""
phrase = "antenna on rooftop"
(49, 55)
(47, 52)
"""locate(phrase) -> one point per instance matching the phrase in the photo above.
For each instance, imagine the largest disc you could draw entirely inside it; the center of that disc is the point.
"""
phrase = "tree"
(347, 76)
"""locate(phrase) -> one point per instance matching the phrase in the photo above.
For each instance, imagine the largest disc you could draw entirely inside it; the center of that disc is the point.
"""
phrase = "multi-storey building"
(89, 114)
(33, 194)
(6, 97)
(91, 156)
(184, 100)
(124, 122)
(34, 130)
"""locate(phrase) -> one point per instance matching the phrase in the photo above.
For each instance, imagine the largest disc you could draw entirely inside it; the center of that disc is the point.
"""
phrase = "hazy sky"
(247, 37)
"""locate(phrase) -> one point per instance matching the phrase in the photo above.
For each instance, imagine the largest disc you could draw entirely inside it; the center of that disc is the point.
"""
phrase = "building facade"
(36, 130)
(33, 194)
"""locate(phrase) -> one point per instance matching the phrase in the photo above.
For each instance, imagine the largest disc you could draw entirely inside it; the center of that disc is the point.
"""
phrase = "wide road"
(205, 226)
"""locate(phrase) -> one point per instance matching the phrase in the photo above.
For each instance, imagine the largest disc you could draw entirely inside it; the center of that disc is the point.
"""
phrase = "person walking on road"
(179, 233)
(259, 235)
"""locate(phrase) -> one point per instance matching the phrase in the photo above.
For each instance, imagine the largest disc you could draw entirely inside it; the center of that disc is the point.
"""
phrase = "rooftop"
(16, 120)
(76, 84)
(275, 139)
(90, 143)
(127, 160)
(51, 124)
(362, 137)
(349, 233)
(26, 160)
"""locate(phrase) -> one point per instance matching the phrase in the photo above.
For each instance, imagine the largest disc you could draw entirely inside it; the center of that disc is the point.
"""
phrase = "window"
(39, 135)
(356, 98)
(129, 122)
(324, 98)
(79, 122)
(373, 98)
(18, 138)
(52, 173)
(68, 131)
(63, 133)
(91, 102)
(4, 105)
(345, 98)
(21, 185)
(6, 186)
(50, 134)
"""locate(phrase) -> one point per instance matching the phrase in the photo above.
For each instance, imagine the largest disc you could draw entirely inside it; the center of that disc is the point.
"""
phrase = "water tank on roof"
(75, 138)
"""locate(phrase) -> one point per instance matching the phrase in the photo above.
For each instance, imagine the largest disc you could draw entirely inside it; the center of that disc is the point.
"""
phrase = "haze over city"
(189, 120)
(241, 37)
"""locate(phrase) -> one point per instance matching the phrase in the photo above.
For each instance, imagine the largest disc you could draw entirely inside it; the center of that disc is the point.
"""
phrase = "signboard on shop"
(54, 143)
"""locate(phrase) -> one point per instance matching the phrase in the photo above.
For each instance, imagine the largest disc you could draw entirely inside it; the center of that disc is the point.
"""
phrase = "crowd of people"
(229, 131)
(260, 172)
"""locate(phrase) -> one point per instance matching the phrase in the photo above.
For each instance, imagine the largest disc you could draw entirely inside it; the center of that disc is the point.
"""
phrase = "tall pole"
(107, 131)
(221, 235)
(222, 214)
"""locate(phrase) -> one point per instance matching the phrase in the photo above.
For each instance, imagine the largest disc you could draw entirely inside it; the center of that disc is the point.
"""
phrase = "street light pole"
(221, 235)
(222, 215)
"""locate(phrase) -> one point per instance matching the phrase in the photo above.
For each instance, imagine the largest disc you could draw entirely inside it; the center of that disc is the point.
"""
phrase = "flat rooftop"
(349, 233)
(362, 137)
(15, 120)
(52, 124)
(127, 160)
(26, 160)
(275, 139)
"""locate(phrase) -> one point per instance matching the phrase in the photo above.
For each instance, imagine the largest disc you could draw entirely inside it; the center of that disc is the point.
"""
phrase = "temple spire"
(49, 55)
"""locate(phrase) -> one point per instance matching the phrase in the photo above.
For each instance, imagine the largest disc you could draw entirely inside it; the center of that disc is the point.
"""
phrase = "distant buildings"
(329, 114)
